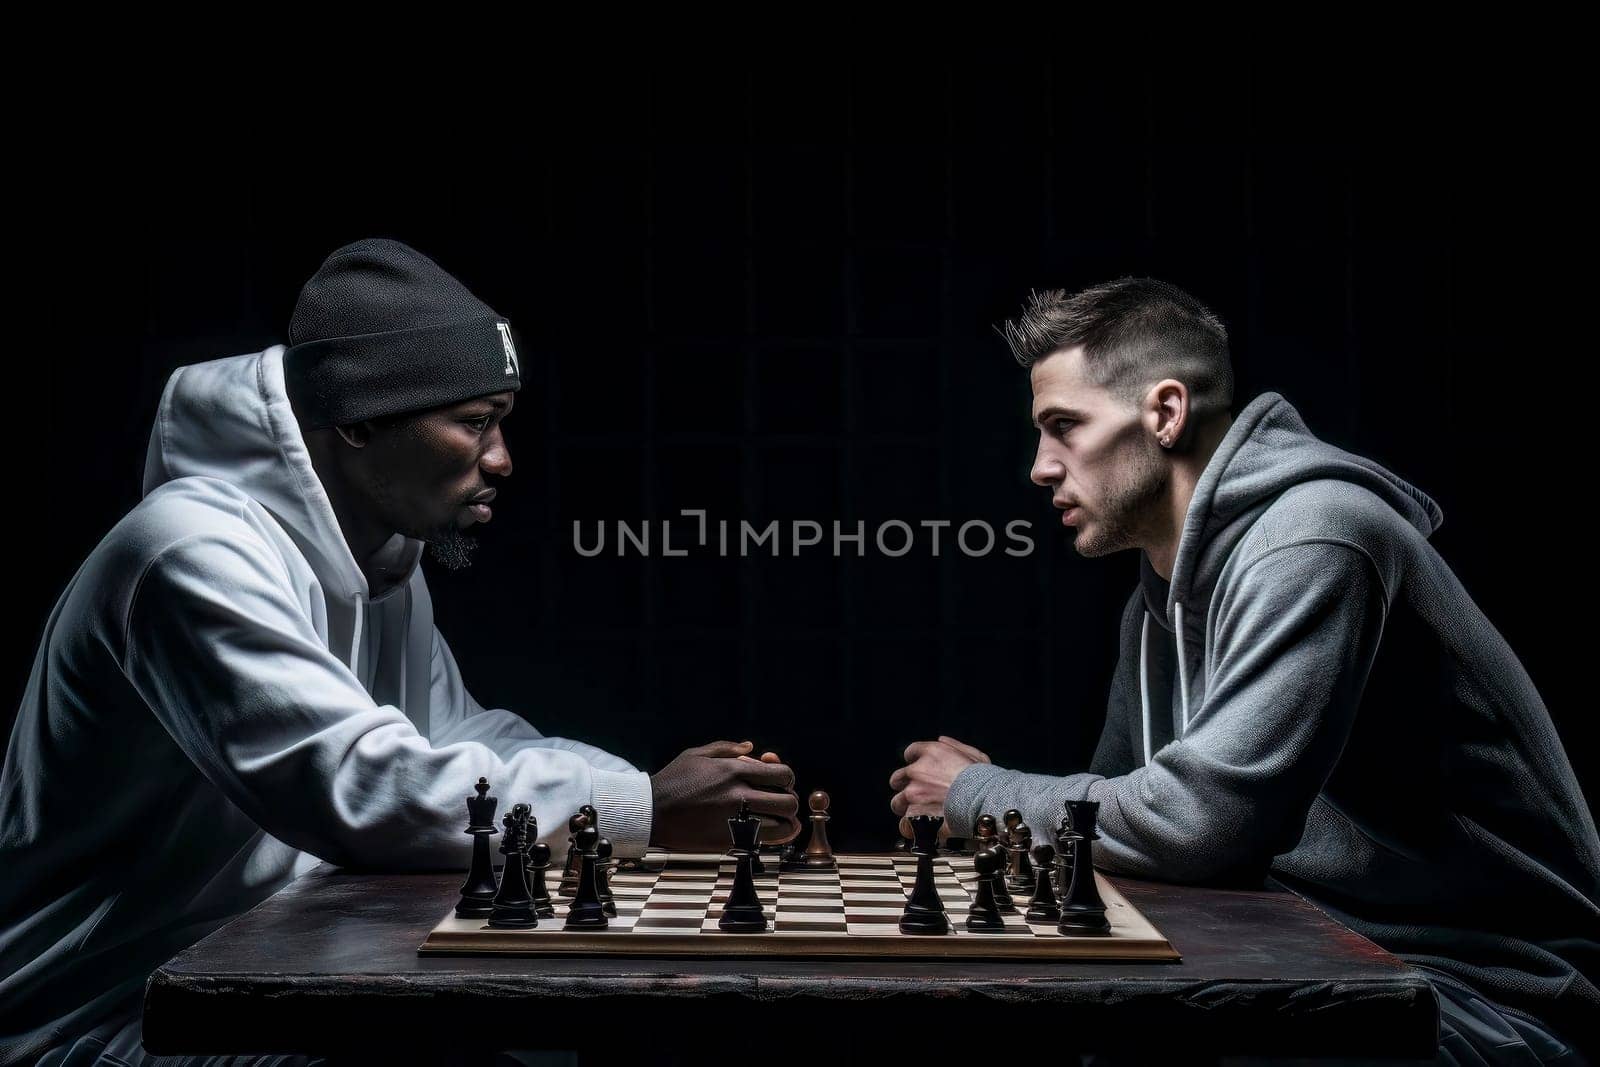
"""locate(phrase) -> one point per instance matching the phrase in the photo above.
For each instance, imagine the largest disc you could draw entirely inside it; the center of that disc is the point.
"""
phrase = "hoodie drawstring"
(1144, 681)
(1144, 685)
(355, 640)
(1183, 669)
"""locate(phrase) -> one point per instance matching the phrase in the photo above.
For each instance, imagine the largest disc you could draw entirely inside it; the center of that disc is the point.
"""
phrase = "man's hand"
(924, 782)
(702, 788)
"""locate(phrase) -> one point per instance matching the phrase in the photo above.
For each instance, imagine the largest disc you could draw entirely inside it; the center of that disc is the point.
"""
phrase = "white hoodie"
(218, 702)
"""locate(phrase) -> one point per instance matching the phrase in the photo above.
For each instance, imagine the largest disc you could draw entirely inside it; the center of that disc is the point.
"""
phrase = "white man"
(1304, 688)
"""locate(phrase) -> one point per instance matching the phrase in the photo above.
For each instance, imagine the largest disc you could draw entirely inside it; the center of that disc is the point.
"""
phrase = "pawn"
(574, 824)
(819, 853)
(984, 835)
(1021, 866)
(1043, 907)
(538, 863)
(586, 912)
(513, 907)
(984, 914)
(602, 877)
(1012, 819)
(1002, 895)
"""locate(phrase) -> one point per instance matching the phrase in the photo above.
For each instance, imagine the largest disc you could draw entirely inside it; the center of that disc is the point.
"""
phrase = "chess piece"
(538, 863)
(1044, 908)
(983, 834)
(1082, 912)
(478, 892)
(1063, 862)
(1002, 895)
(924, 912)
(1021, 867)
(819, 854)
(513, 906)
(741, 913)
(984, 914)
(586, 912)
(569, 873)
(602, 877)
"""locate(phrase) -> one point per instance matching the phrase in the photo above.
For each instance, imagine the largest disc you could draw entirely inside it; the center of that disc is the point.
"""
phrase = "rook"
(1082, 912)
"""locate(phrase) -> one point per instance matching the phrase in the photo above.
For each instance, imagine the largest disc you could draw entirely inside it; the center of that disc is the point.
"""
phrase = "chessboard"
(669, 903)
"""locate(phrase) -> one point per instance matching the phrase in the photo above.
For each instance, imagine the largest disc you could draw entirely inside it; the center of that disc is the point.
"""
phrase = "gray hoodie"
(1316, 696)
(219, 701)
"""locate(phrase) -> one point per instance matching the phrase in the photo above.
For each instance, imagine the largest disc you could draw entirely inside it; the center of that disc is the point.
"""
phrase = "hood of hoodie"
(230, 419)
(1266, 450)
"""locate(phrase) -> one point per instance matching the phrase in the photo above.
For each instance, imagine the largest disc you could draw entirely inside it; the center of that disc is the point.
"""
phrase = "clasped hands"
(695, 792)
(922, 785)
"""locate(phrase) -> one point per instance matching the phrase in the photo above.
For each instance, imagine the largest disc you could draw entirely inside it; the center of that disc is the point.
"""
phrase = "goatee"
(452, 549)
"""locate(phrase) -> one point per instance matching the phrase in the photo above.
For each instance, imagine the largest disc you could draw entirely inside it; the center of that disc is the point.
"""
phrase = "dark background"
(768, 289)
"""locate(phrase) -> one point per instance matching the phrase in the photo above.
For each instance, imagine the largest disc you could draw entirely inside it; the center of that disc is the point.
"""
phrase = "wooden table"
(330, 964)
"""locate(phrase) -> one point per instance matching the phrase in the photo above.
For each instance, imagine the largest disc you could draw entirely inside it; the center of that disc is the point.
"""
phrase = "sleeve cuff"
(964, 803)
(625, 803)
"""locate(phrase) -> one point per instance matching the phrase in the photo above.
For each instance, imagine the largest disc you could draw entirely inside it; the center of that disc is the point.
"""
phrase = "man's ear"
(357, 434)
(1166, 411)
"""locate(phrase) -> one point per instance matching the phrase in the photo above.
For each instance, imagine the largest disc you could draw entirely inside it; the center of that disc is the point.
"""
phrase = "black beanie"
(381, 329)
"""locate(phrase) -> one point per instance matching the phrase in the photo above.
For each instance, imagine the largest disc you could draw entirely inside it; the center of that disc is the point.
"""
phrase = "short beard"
(1123, 514)
(452, 549)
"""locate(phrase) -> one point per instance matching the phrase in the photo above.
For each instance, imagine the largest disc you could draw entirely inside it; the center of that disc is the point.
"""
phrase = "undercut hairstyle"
(1134, 333)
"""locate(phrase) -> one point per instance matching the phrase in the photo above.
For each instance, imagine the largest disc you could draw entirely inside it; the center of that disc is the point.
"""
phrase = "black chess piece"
(478, 892)
(1044, 908)
(819, 853)
(1012, 819)
(1021, 866)
(1002, 895)
(983, 834)
(1082, 912)
(586, 912)
(602, 877)
(741, 913)
(569, 873)
(1062, 874)
(513, 906)
(538, 863)
(984, 914)
(924, 912)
